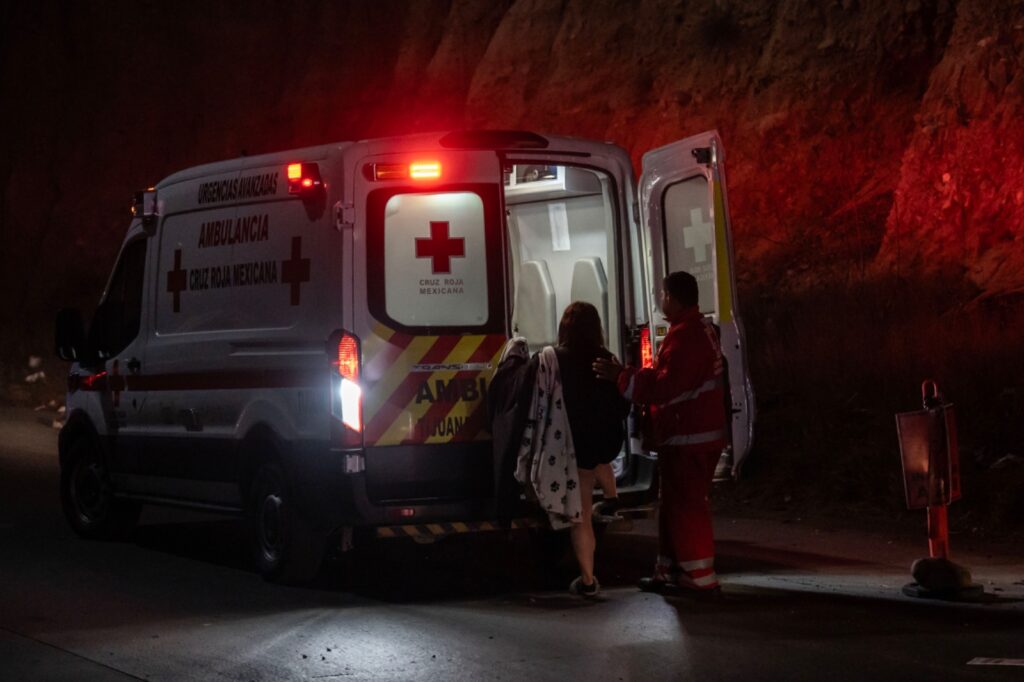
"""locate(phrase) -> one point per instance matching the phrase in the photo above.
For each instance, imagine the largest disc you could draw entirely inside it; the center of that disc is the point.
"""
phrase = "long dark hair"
(580, 329)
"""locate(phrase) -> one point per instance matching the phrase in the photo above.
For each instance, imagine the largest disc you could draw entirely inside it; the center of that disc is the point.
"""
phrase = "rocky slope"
(875, 158)
(863, 136)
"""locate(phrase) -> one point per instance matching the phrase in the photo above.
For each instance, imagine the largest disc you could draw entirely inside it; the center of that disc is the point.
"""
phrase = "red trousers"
(686, 541)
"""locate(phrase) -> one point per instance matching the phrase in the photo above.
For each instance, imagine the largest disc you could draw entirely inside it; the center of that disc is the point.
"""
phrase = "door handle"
(133, 365)
(190, 420)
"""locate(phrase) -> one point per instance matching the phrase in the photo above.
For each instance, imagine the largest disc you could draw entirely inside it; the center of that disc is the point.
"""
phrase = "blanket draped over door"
(547, 460)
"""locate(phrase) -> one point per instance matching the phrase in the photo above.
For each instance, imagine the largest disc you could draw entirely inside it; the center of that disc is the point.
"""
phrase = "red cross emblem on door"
(177, 280)
(295, 271)
(440, 248)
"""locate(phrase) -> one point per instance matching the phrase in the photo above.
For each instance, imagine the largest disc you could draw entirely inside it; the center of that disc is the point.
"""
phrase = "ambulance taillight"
(646, 350)
(346, 389)
(350, 392)
(304, 179)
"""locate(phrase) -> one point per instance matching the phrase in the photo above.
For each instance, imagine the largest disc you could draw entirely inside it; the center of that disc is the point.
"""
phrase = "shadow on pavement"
(826, 615)
(468, 566)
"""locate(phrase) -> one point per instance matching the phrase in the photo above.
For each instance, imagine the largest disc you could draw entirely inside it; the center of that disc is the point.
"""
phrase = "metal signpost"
(931, 477)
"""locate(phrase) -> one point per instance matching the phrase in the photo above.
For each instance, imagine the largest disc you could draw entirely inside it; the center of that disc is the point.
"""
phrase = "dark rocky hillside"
(875, 156)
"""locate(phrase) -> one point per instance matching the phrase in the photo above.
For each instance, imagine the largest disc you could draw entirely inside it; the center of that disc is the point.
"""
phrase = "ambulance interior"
(561, 226)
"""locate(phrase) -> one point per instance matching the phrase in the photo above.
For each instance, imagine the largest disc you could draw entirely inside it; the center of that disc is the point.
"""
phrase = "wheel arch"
(78, 425)
(260, 443)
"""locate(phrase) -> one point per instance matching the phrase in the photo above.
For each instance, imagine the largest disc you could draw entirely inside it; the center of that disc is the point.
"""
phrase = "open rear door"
(430, 258)
(686, 220)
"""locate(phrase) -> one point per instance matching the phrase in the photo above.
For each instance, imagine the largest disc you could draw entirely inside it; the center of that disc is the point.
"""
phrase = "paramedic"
(596, 414)
(685, 391)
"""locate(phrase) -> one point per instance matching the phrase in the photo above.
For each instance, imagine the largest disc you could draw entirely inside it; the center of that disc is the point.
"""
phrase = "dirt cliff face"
(959, 201)
(862, 136)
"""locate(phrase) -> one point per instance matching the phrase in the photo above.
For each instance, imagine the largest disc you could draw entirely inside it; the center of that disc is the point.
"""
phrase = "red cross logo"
(177, 280)
(296, 270)
(440, 248)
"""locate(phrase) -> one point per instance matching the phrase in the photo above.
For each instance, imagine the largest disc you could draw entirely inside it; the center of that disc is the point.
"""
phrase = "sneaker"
(607, 507)
(580, 589)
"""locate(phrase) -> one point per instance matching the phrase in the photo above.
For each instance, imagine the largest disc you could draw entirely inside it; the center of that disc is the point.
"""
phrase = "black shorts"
(589, 458)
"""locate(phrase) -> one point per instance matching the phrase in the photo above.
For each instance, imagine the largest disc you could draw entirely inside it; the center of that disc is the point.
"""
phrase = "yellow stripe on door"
(379, 393)
(403, 427)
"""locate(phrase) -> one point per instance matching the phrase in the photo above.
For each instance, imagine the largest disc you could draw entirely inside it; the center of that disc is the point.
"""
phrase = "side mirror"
(69, 335)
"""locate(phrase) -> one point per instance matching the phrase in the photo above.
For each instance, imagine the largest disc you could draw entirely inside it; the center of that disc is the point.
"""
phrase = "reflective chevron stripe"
(426, 389)
(434, 530)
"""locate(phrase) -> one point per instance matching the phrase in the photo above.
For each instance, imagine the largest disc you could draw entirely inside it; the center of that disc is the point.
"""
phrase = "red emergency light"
(425, 170)
(304, 179)
(646, 349)
(417, 170)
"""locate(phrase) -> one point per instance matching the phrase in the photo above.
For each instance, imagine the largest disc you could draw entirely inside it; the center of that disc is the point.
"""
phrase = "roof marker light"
(304, 179)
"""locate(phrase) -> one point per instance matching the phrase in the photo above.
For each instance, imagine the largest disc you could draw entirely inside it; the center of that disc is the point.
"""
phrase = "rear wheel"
(87, 498)
(284, 547)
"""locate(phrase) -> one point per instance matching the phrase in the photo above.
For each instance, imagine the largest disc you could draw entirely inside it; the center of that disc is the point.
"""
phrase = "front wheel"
(86, 496)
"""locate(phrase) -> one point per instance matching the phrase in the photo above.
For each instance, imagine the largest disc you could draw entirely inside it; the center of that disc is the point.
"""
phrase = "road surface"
(178, 601)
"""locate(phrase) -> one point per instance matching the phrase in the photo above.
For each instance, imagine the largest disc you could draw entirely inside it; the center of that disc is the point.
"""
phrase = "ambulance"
(306, 338)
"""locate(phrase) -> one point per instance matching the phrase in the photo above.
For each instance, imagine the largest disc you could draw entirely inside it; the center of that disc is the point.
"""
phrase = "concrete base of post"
(940, 578)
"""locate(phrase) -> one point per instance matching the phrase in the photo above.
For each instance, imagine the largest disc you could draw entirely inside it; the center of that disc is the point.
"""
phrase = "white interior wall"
(590, 224)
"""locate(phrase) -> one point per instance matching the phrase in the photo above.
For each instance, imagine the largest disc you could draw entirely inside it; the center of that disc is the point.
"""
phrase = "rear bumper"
(331, 497)
(334, 492)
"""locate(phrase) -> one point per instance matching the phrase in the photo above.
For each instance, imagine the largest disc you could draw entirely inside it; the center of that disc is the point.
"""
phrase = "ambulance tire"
(87, 498)
(285, 548)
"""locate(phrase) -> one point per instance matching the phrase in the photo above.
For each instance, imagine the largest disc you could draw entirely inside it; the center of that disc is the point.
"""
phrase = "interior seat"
(590, 284)
(535, 316)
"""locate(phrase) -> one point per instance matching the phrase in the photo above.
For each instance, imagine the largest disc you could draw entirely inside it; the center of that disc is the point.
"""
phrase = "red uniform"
(685, 390)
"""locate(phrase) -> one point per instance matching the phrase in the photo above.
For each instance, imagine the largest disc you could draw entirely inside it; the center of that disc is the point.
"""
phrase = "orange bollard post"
(938, 532)
(931, 476)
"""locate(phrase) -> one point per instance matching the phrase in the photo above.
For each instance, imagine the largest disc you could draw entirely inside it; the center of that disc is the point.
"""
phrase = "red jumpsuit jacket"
(685, 387)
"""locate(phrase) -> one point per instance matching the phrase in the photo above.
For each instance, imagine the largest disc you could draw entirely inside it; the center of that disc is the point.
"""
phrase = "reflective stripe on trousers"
(696, 438)
(685, 536)
(698, 574)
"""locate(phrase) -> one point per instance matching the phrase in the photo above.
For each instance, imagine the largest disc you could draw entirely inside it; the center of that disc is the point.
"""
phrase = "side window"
(119, 316)
(690, 235)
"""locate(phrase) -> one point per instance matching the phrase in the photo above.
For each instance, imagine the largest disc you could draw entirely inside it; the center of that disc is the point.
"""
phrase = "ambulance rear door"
(430, 313)
(686, 223)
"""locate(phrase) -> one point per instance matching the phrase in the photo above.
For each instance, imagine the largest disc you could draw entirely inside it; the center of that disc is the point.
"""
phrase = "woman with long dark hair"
(596, 412)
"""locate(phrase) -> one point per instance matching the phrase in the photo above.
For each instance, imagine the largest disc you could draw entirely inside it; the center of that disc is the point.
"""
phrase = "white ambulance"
(306, 338)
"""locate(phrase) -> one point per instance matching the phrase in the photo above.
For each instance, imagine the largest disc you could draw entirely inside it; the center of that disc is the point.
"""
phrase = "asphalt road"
(178, 601)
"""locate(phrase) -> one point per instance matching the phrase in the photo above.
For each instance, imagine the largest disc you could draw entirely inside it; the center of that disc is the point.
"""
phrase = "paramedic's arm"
(680, 369)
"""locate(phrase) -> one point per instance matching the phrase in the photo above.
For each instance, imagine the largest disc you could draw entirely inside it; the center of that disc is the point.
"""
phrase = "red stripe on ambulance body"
(214, 381)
